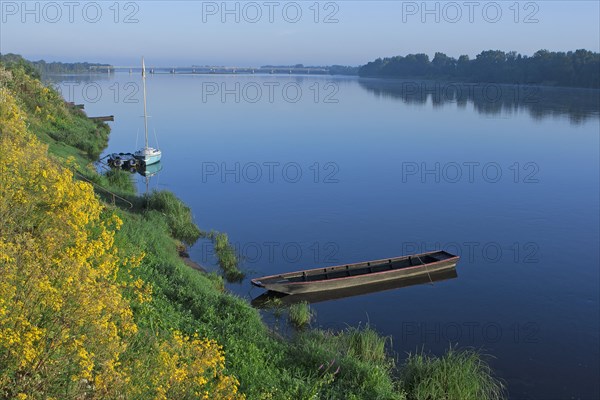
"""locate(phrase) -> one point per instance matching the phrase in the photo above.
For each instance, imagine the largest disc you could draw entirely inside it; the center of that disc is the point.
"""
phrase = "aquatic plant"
(455, 375)
(300, 314)
(226, 256)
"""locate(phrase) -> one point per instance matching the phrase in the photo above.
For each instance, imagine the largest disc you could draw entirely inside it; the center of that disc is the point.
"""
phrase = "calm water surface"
(312, 171)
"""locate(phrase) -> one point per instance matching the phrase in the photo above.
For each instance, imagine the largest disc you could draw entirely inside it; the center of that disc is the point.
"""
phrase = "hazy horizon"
(288, 33)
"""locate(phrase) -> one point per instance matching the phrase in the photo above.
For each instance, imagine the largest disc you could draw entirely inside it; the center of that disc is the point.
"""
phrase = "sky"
(254, 33)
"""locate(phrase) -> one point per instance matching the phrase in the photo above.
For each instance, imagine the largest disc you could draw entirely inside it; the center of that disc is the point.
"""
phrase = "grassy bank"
(96, 302)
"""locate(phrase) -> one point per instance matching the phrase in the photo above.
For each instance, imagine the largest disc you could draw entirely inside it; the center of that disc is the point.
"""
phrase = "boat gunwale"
(259, 281)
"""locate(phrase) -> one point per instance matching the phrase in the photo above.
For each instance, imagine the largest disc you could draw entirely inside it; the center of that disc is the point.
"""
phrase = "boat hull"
(345, 276)
(265, 300)
(148, 157)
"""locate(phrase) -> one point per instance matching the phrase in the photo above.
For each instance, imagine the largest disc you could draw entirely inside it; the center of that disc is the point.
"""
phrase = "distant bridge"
(213, 70)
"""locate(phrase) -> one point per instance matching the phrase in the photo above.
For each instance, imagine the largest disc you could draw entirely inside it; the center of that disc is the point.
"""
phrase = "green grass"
(300, 314)
(361, 375)
(48, 115)
(178, 215)
(366, 344)
(226, 256)
(457, 374)
(119, 179)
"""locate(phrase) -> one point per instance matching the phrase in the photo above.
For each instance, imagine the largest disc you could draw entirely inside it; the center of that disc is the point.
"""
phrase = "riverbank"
(165, 322)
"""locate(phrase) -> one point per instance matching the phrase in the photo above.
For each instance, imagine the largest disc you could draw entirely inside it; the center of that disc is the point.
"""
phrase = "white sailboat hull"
(148, 155)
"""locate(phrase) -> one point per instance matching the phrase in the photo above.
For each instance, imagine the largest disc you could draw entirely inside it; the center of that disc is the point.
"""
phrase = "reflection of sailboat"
(148, 171)
(147, 155)
(266, 299)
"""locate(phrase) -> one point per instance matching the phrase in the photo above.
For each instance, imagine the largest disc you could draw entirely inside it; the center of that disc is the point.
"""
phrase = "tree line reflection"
(540, 102)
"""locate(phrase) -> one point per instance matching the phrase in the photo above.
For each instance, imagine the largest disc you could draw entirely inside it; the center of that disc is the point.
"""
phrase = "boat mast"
(145, 113)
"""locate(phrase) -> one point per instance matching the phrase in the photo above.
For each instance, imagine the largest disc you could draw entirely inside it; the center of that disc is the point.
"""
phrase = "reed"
(226, 256)
(455, 375)
(300, 314)
(366, 344)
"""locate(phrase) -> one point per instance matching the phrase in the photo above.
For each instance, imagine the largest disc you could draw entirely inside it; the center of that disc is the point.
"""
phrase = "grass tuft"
(455, 375)
(366, 344)
(178, 215)
(228, 259)
(120, 179)
(300, 314)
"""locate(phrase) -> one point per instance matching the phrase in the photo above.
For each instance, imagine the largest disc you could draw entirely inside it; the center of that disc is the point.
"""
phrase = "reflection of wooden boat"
(343, 276)
(265, 300)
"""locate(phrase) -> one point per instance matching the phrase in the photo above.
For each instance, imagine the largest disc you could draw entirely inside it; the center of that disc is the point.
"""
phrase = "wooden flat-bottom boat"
(269, 299)
(363, 273)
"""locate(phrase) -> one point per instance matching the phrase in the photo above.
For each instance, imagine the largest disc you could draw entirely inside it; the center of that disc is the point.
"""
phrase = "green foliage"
(178, 215)
(343, 70)
(456, 375)
(15, 61)
(300, 314)
(120, 179)
(35, 68)
(580, 68)
(187, 300)
(49, 115)
(226, 256)
(361, 375)
(366, 344)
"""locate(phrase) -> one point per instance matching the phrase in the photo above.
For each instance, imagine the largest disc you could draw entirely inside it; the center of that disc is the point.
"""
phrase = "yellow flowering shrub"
(191, 367)
(66, 324)
(64, 317)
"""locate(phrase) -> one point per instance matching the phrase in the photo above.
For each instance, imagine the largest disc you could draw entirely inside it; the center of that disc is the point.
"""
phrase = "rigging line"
(156, 139)
(426, 270)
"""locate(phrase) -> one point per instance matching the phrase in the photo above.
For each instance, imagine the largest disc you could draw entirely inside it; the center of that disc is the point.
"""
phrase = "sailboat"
(147, 155)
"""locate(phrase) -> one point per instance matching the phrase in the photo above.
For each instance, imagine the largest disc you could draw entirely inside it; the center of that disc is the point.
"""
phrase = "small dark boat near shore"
(363, 273)
(268, 299)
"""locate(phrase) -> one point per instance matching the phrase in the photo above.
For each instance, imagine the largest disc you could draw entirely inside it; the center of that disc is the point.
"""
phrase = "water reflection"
(493, 99)
(149, 171)
(266, 299)
(146, 171)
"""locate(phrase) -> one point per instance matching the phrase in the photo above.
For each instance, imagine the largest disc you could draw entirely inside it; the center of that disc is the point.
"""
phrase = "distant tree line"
(333, 69)
(343, 70)
(580, 68)
(50, 68)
